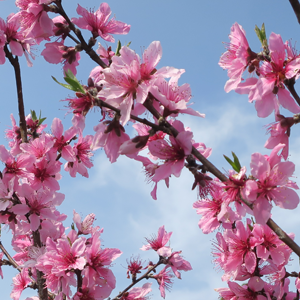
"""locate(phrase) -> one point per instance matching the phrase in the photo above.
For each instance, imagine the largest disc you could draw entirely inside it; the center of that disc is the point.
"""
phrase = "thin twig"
(15, 63)
(11, 260)
(90, 52)
(145, 276)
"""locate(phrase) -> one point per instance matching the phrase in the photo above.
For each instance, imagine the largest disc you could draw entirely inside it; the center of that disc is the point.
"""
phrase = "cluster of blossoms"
(269, 182)
(29, 197)
(253, 253)
(125, 87)
(48, 256)
(270, 83)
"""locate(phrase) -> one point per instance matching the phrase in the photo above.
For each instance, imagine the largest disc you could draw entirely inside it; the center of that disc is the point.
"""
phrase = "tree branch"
(41, 281)
(88, 49)
(15, 63)
(145, 276)
(11, 260)
(296, 7)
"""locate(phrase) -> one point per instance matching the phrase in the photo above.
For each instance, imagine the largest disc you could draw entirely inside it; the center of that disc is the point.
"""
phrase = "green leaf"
(73, 81)
(118, 48)
(69, 240)
(128, 44)
(33, 115)
(261, 34)
(236, 161)
(67, 86)
(76, 86)
(41, 121)
(231, 163)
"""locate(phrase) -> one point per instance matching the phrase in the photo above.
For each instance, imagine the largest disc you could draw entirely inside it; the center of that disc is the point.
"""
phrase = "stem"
(296, 7)
(145, 276)
(290, 84)
(100, 103)
(283, 236)
(41, 281)
(15, 63)
(11, 260)
(79, 279)
(90, 52)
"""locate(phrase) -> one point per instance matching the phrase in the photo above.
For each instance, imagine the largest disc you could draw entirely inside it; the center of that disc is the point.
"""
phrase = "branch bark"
(296, 7)
(15, 63)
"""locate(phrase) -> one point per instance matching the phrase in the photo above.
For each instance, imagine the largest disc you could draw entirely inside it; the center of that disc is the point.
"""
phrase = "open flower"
(97, 22)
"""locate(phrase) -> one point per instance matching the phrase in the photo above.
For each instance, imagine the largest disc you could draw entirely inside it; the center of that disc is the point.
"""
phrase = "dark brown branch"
(79, 280)
(284, 237)
(15, 63)
(11, 260)
(100, 103)
(296, 7)
(90, 52)
(290, 84)
(41, 281)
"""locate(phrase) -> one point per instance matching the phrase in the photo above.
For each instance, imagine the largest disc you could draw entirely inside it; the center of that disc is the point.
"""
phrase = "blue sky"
(191, 34)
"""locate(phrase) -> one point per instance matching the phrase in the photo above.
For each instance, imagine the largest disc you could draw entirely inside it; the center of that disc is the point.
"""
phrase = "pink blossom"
(273, 183)
(57, 52)
(86, 226)
(16, 168)
(270, 91)
(97, 22)
(176, 262)
(105, 54)
(46, 173)
(39, 146)
(214, 211)
(87, 292)
(82, 150)
(245, 292)
(127, 81)
(35, 20)
(134, 266)
(2, 44)
(174, 98)
(16, 37)
(122, 85)
(60, 27)
(158, 243)
(137, 293)
(110, 135)
(20, 282)
(164, 280)
(62, 256)
(98, 262)
(237, 57)
(150, 169)
(268, 245)
(81, 104)
(174, 153)
(13, 35)
(62, 141)
(240, 248)
(280, 132)
(39, 206)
